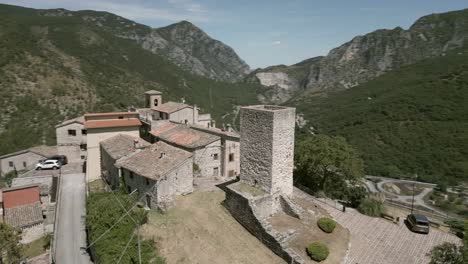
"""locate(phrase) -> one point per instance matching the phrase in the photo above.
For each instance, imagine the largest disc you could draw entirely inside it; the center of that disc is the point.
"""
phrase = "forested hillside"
(411, 121)
(57, 67)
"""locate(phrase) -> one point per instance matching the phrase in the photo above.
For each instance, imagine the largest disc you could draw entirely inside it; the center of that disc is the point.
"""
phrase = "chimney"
(229, 128)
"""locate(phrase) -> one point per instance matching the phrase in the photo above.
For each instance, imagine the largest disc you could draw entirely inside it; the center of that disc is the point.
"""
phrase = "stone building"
(267, 148)
(182, 113)
(22, 209)
(25, 159)
(71, 139)
(206, 148)
(265, 188)
(230, 148)
(115, 148)
(161, 171)
(101, 126)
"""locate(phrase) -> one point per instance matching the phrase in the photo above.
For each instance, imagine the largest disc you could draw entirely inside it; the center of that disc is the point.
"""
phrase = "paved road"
(71, 234)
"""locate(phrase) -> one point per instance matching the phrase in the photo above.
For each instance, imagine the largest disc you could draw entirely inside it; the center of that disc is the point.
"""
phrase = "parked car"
(61, 158)
(49, 164)
(418, 223)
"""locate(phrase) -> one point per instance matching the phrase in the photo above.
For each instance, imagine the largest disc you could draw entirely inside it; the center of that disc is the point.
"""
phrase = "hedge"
(318, 251)
(326, 224)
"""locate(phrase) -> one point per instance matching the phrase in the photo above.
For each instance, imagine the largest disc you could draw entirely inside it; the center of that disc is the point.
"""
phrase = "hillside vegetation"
(57, 67)
(411, 121)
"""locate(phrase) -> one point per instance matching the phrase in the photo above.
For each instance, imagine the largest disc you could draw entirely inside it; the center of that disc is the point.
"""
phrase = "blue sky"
(269, 32)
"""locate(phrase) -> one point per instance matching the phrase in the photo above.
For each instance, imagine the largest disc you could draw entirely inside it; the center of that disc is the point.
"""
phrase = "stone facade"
(267, 147)
(20, 161)
(161, 190)
(208, 160)
(153, 98)
(71, 139)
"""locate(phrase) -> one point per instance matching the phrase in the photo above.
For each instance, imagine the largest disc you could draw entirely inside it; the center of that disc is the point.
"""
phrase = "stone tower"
(153, 98)
(267, 148)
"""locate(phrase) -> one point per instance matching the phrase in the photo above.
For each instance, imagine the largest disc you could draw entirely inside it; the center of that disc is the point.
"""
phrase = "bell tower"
(153, 98)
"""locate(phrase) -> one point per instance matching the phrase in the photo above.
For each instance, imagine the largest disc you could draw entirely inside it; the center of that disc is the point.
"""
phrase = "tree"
(328, 164)
(449, 253)
(446, 253)
(10, 250)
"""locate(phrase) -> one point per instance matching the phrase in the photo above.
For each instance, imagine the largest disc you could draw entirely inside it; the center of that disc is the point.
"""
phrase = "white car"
(48, 164)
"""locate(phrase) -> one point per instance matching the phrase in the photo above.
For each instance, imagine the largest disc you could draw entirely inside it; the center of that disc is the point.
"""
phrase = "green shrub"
(371, 207)
(317, 251)
(326, 224)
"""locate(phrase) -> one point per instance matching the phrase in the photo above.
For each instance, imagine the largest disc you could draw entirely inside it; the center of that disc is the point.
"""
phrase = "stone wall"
(252, 211)
(267, 147)
(231, 168)
(182, 115)
(177, 182)
(24, 161)
(205, 159)
(108, 169)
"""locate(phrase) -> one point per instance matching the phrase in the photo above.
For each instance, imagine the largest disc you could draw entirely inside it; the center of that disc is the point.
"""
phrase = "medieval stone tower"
(267, 148)
(153, 98)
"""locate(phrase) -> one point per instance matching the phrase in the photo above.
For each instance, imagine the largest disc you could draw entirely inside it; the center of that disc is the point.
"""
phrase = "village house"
(206, 148)
(101, 126)
(71, 139)
(114, 148)
(48, 189)
(161, 171)
(25, 159)
(22, 209)
(182, 113)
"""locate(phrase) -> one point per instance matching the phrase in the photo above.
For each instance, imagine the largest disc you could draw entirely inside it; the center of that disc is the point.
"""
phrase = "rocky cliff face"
(366, 57)
(182, 43)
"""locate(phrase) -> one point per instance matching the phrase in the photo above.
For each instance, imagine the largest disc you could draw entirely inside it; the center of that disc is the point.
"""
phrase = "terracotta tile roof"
(79, 120)
(24, 215)
(22, 195)
(112, 123)
(184, 136)
(217, 131)
(170, 107)
(155, 161)
(109, 114)
(153, 92)
(122, 145)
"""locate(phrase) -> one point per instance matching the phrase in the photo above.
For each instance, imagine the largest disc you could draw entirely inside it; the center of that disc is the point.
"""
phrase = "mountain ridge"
(368, 56)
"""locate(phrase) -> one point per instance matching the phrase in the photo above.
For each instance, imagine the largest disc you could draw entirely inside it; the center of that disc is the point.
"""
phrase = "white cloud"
(277, 42)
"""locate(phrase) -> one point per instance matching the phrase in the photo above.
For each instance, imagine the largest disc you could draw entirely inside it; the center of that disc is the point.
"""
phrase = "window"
(147, 181)
(24, 164)
(10, 163)
(232, 173)
(215, 171)
(84, 132)
(155, 102)
(83, 146)
(161, 115)
(129, 189)
(130, 174)
(71, 132)
(231, 157)
(120, 117)
(215, 156)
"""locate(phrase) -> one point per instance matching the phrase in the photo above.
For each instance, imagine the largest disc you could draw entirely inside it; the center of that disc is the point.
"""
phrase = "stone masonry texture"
(267, 147)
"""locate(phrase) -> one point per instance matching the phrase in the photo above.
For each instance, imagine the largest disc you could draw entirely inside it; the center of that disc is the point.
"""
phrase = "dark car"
(418, 223)
(61, 158)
